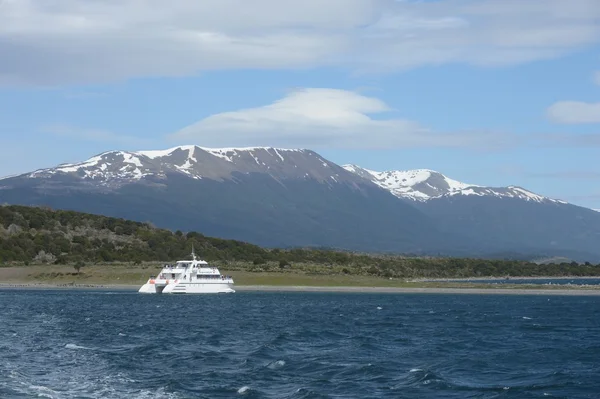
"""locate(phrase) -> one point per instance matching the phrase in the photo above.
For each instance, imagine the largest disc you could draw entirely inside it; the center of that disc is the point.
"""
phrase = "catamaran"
(194, 276)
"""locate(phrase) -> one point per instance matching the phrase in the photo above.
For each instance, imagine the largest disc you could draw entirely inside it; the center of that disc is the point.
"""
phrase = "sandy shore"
(272, 288)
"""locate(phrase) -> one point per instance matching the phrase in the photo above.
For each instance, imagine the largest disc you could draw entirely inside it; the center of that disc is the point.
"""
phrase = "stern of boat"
(156, 286)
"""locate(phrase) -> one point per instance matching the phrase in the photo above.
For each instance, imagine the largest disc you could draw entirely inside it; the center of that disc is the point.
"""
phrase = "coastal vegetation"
(43, 236)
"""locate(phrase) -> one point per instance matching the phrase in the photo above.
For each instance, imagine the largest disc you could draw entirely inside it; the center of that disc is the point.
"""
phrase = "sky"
(488, 92)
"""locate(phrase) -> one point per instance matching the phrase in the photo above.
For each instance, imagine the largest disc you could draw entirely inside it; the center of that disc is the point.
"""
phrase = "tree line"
(43, 235)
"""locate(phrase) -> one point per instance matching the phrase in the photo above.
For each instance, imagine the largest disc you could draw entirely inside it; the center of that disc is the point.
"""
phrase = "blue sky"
(490, 92)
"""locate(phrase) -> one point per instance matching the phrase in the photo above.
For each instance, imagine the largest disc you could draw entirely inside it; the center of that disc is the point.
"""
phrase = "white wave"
(44, 392)
(243, 390)
(73, 346)
(109, 387)
(276, 365)
(415, 370)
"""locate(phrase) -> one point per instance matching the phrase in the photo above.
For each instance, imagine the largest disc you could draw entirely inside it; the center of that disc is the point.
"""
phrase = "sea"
(121, 344)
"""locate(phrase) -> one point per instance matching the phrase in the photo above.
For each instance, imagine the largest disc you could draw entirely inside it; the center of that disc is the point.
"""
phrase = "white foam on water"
(276, 365)
(44, 392)
(243, 390)
(379, 308)
(526, 318)
(73, 346)
(78, 386)
(415, 370)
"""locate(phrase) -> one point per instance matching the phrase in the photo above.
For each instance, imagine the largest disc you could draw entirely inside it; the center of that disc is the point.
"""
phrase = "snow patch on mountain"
(418, 184)
(115, 168)
(425, 184)
(74, 167)
(152, 154)
(227, 154)
(108, 165)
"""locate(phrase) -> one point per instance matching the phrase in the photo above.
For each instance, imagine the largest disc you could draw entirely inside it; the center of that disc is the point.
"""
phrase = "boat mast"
(193, 253)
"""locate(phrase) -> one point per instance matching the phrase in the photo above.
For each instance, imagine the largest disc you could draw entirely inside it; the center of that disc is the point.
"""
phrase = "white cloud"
(318, 118)
(81, 41)
(574, 112)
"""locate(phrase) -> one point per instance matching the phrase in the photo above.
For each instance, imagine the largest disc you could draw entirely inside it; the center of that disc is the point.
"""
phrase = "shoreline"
(331, 289)
(428, 290)
(48, 286)
(466, 279)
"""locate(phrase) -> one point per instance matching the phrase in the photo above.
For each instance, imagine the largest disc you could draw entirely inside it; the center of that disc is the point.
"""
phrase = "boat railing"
(213, 278)
(209, 278)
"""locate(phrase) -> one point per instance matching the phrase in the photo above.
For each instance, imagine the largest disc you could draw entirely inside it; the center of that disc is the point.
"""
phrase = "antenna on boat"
(193, 253)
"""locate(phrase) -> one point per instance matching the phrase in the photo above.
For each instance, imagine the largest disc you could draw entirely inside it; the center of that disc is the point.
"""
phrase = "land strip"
(130, 278)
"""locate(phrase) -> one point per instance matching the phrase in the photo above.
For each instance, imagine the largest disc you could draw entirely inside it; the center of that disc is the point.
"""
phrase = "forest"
(38, 235)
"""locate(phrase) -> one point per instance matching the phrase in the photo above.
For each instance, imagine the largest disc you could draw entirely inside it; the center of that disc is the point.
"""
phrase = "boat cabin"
(191, 270)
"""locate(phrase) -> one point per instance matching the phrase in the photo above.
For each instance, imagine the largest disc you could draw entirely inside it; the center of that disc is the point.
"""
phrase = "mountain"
(115, 169)
(509, 219)
(295, 198)
(267, 196)
(424, 184)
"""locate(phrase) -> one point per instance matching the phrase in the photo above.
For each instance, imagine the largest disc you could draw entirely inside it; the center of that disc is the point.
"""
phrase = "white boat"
(188, 277)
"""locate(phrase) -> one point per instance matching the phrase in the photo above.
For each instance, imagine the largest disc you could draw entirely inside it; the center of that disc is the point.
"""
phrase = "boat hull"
(186, 288)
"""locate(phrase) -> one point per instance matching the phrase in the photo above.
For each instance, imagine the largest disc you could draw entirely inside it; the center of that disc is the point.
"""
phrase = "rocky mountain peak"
(425, 184)
(115, 168)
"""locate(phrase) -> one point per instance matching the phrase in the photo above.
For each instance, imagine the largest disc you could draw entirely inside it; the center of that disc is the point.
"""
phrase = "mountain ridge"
(426, 184)
(413, 184)
(295, 197)
(190, 160)
(266, 196)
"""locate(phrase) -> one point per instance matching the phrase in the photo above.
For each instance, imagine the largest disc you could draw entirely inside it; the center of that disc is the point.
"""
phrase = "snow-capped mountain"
(117, 168)
(267, 196)
(424, 184)
(295, 197)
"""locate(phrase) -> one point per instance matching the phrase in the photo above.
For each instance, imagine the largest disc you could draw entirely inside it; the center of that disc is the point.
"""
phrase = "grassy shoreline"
(332, 289)
(120, 277)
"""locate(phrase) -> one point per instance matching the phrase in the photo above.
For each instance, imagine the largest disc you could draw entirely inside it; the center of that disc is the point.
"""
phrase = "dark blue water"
(91, 344)
(545, 281)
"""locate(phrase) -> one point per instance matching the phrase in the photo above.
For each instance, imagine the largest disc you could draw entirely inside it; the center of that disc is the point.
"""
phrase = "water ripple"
(87, 344)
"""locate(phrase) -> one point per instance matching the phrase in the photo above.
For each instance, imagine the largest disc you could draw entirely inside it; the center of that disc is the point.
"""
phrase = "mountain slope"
(292, 198)
(45, 236)
(118, 168)
(266, 196)
(502, 219)
(424, 184)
